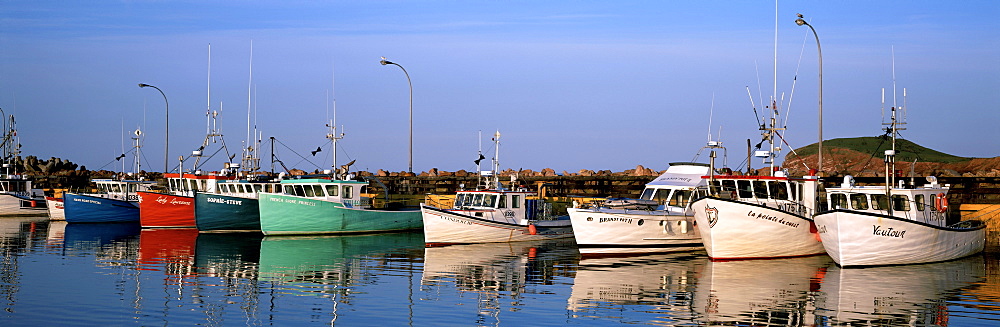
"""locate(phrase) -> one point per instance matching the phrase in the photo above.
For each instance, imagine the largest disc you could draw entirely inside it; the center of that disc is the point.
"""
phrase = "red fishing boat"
(175, 208)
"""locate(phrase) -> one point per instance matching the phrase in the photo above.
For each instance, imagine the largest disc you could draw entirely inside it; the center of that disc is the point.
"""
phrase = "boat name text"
(293, 201)
(456, 220)
(87, 201)
(614, 219)
(772, 218)
(225, 201)
(173, 201)
(889, 232)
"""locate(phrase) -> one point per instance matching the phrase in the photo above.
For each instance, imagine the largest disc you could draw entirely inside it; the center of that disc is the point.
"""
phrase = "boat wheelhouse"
(19, 198)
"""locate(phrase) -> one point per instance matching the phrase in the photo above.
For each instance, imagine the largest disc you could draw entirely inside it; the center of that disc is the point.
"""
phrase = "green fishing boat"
(325, 206)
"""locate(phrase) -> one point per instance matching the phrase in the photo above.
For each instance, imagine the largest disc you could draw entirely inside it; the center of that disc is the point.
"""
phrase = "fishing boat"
(493, 213)
(175, 207)
(894, 224)
(233, 208)
(18, 197)
(55, 207)
(659, 221)
(757, 217)
(115, 200)
(331, 204)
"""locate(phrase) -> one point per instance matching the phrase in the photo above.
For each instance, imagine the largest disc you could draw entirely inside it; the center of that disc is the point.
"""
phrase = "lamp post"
(166, 147)
(386, 62)
(819, 49)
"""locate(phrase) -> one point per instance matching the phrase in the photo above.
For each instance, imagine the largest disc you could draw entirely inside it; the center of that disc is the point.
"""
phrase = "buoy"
(942, 202)
(532, 230)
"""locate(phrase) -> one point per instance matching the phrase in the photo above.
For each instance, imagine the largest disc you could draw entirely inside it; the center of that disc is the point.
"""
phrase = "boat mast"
(496, 160)
(136, 144)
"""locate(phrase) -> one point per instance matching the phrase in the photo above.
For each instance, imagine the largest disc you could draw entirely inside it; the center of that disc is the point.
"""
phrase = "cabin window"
(258, 188)
(289, 190)
(919, 199)
(647, 194)
(348, 192)
(319, 190)
(118, 188)
(838, 200)
(680, 198)
(503, 202)
(779, 190)
(662, 195)
(308, 189)
(760, 189)
(900, 202)
(477, 200)
(743, 187)
(729, 186)
(299, 191)
(459, 198)
(880, 202)
(331, 190)
(490, 200)
(204, 185)
(794, 194)
(859, 202)
(515, 201)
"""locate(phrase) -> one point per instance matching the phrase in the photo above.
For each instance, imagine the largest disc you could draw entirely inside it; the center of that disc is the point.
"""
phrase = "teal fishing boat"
(325, 206)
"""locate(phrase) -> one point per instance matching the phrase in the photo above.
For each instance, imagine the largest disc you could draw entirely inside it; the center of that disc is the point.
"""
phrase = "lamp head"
(144, 85)
(800, 21)
(385, 62)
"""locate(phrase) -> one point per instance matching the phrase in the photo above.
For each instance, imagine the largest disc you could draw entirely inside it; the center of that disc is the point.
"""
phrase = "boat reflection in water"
(499, 275)
(229, 255)
(651, 288)
(116, 239)
(774, 292)
(896, 295)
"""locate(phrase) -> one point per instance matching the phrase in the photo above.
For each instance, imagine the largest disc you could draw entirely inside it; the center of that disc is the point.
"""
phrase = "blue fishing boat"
(114, 201)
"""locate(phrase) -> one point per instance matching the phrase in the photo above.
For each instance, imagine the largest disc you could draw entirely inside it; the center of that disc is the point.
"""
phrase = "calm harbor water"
(53, 273)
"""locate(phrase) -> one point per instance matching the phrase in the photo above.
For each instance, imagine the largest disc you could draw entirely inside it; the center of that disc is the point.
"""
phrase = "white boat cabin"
(17, 186)
(246, 189)
(124, 190)
(797, 196)
(187, 184)
(926, 204)
(674, 189)
(512, 207)
(347, 193)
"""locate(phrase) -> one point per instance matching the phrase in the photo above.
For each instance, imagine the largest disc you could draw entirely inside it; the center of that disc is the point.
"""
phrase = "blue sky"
(570, 84)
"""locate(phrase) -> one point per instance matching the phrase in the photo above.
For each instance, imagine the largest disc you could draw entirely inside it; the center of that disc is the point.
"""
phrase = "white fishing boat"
(493, 213)
(755, 217)
(55, 207)
(659, 221)
(894, 224)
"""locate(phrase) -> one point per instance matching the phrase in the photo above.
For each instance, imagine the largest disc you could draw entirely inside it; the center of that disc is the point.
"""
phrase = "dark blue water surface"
(58, 274)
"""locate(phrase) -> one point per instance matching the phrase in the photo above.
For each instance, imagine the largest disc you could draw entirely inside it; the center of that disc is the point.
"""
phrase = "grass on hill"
(905, 150)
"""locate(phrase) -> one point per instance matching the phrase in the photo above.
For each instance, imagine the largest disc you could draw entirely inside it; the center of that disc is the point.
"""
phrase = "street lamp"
(386, 62)
(166, 148)
(801, 22)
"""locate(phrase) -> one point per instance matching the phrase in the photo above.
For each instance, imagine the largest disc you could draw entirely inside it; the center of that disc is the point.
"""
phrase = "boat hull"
(854, 238)
(615, 231)
(732, 230)
(13, 205)
(159, 210)
(214, 212)
(56, 208)
(443, 227)
(282, 214)
(82, 208)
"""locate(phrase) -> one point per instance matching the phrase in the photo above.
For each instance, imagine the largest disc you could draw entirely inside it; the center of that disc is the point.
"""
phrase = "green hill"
(905, 150)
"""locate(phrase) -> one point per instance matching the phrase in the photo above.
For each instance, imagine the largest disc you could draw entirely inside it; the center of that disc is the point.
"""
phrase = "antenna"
(711, 110)
(208, 110)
